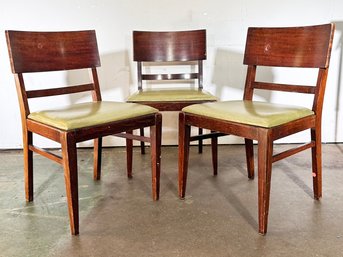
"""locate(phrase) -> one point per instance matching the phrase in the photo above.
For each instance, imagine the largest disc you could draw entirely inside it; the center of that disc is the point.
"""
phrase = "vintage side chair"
(297, 47)
(168, 58)
(34, 52)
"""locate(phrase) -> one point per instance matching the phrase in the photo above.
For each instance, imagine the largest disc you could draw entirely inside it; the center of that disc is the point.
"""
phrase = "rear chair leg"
(214, 144)
(129, 155)
(317, 163)
(184, 138)
(200, 131)
(249, 150)
(97, 158)
(28, 166)
(155, 142)
(141, 131)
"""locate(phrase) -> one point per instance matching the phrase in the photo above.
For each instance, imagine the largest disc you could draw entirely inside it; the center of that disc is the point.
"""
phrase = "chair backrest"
(52, 51)
(172, 46)
(301, 47)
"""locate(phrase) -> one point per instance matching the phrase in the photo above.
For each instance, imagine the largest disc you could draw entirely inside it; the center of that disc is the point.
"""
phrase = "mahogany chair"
(298, 47)
(36, 52)
(166, 58)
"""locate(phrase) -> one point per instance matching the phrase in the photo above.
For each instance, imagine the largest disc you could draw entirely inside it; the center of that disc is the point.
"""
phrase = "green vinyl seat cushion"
(171, 95)
(90, 114)
(255, 113)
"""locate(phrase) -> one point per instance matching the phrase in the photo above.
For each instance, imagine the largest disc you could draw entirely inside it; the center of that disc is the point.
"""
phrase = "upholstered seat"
(90, 114)
(254, 113)
(171, 95)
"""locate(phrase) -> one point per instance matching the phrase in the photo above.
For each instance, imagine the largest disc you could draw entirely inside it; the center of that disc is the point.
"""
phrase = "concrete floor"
(217, 218)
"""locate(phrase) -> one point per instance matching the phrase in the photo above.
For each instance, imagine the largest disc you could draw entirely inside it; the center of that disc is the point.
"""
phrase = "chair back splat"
(183, 46)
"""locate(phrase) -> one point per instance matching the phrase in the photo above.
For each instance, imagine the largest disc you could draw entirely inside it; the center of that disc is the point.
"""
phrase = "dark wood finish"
(214, 144)
(28, 49)
(46, 154)
(267, 46)
(301, 47)
(169, 47)
(54, 51)
(69, 156)
(249, 151)
(285, 154)
(184, 139)
(129, 145)
(155, 135)
(97, 158)
(28, 165)
(285, 87)
(170, 76)
(168, 106)
(59, 91)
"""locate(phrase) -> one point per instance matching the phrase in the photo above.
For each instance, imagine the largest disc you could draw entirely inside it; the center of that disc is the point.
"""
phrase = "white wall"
(226, 22)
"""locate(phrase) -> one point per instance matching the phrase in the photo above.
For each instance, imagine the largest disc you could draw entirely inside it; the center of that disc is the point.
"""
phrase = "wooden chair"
(300, 47)
(163, 57)
(33, 52)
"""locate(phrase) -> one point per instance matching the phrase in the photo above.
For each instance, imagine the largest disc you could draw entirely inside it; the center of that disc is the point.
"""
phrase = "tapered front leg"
(155, 141)
(184, 138)
(249, 150)
(97, 158)
(317, 163)
(265, 156)
(69, 156)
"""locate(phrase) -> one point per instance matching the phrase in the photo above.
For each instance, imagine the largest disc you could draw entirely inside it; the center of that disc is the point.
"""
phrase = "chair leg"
(317, 163)
(69, 156)
(155, 145)
(200, 141)
(214, 144)
(129, 155)
(141, 131)
(97, 158)
(28, 166)
(249, 150)
(265, 152)
(184, 138)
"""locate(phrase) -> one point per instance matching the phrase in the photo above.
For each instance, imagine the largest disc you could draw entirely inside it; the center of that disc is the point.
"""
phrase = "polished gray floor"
(217, 218)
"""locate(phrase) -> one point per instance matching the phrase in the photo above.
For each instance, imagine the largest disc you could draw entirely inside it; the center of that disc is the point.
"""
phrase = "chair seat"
(260, 114)
(171, 95)
(90, 114)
